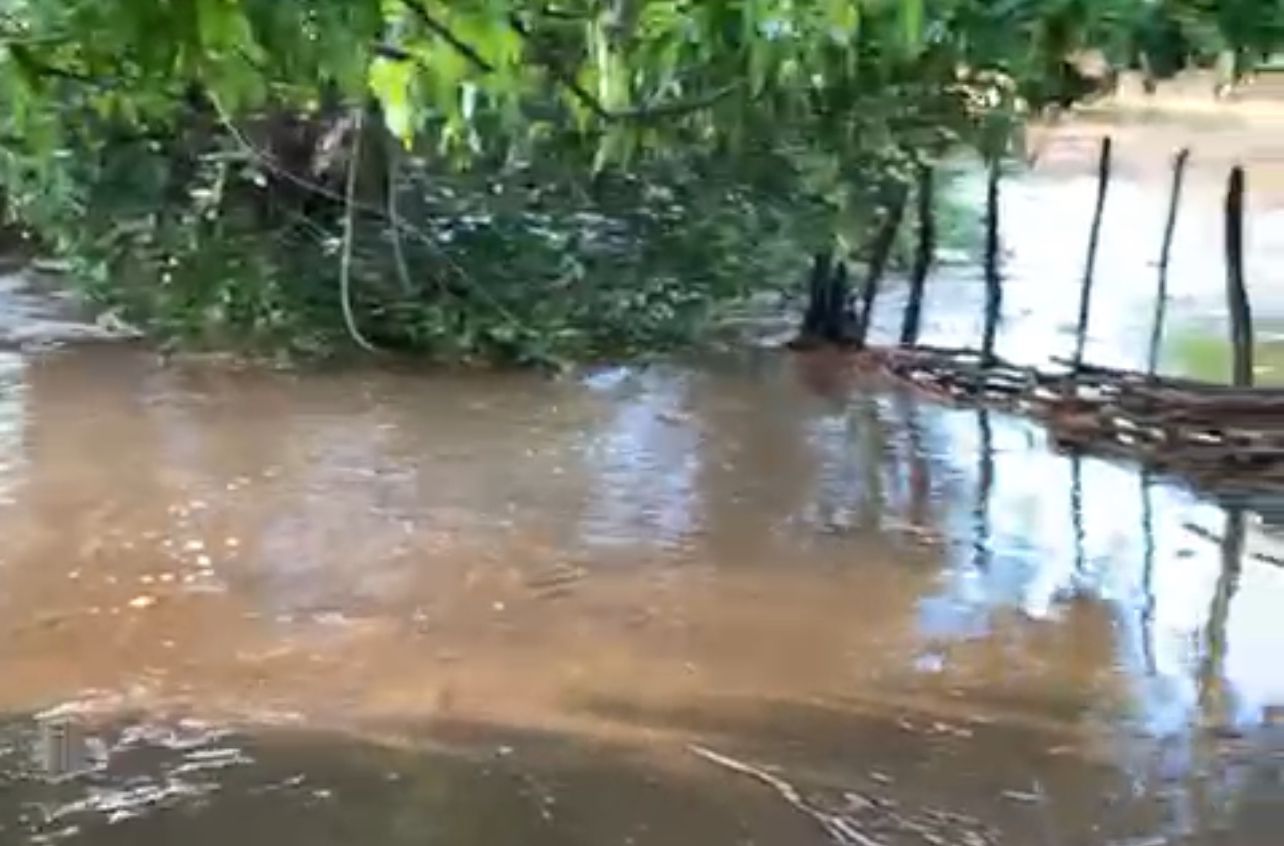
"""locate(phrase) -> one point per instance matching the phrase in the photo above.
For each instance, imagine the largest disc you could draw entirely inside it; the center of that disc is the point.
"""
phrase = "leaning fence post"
(880, 251)
(1094, 238)
(1241, 317)
(993, 284)
(1165, 252)
(922, 256)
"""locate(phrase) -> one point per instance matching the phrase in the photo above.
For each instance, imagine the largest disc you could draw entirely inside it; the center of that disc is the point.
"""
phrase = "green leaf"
(843, 19)
(390, 81)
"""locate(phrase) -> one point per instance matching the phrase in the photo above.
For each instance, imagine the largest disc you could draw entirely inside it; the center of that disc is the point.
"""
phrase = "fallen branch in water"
(1211, 434)
(864, 813)
(836, 826)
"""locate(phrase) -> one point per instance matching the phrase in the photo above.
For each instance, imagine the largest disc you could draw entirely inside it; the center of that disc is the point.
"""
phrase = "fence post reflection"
(984, 490)
(1212, 671)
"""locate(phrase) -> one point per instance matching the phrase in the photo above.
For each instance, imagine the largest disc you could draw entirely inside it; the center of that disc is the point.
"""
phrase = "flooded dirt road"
(752, 599)
(495, 609)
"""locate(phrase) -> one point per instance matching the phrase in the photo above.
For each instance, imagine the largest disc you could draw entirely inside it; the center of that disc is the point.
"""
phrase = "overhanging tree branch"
(567, 80)
(443, 32)
(561, 74)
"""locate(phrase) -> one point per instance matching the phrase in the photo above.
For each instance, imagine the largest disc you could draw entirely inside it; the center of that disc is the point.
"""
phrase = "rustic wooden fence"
(1224, 433)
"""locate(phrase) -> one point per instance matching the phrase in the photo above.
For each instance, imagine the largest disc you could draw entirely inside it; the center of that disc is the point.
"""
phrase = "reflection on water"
(408, 608)
(645, 446)
(568, 582)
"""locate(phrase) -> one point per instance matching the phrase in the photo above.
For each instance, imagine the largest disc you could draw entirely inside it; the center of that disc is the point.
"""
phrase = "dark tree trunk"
(837, 328)
(815, 318)
(828, 319)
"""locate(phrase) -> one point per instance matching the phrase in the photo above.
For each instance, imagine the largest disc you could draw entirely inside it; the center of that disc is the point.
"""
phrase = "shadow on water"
(148, 781)
(387, 607)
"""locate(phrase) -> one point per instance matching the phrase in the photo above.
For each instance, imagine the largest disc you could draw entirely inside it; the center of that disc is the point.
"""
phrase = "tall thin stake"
(1165, 253)
(993, 283)
(880, 251)
(922, 257)
(1241, 316)
(1094, 238)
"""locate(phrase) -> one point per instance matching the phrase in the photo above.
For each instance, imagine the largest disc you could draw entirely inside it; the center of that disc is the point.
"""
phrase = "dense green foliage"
(513, 178)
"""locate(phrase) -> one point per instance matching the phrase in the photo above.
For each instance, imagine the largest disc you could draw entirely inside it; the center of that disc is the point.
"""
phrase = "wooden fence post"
(922, 256)
(1094, 238)
(880, 251)
(1241, 317)
(993, 284)
(1165, 253)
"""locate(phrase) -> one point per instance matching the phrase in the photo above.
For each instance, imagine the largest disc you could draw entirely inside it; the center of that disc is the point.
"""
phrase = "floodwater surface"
(396, 608)
(752, 599)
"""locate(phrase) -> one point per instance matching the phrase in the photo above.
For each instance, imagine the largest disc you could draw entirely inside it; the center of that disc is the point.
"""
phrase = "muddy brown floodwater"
(752, 599)
(379, 607)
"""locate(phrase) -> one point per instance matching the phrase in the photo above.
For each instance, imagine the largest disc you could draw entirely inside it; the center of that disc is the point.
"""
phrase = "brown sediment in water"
(595, 575)
(496, 608)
